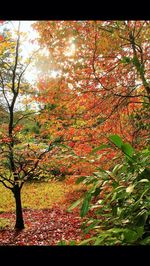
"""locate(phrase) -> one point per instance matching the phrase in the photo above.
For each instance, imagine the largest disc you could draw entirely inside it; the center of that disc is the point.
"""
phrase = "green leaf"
(90, 181)
(80, 179)
(140, 231)
(115, 230)
(141, 218)
(101, 147)
(85, 205)
(146, 241)
(62, 243)
(92, 225)
(130, 236)
(75, 204)
(127, 149)
(96, 192)
(143, 180)
(84, 242)
(116, 140)
(114, 197)
(101, 238)
(64, 146)
(72, 243)
(125, 60)
(117, 168)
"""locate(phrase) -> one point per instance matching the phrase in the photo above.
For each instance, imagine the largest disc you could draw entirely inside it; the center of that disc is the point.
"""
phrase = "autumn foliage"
(100, 85)
(95, 83)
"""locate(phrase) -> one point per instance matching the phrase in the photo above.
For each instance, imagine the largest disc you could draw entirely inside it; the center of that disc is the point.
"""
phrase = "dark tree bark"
(19, 215)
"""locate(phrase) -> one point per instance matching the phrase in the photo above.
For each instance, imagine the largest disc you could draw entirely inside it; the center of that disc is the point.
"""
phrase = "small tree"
(19, 153)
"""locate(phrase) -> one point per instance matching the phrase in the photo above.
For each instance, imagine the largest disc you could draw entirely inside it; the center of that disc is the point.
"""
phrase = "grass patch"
(7, 202)
(4, 223)
(37, 195)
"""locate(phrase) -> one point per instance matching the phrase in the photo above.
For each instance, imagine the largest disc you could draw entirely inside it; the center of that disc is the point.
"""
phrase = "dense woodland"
(74, 145)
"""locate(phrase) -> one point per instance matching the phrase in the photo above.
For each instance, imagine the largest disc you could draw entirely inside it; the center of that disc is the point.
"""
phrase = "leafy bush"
(122, 205)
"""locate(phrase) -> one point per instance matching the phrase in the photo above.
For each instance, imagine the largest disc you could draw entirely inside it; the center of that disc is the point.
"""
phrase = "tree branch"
(1, 181)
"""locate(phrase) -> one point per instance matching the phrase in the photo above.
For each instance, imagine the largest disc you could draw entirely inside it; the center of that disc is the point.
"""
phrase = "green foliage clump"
(122, 206)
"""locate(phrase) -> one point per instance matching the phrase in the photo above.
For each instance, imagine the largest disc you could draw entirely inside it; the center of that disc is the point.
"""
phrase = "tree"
(19, 153)
(105, 58)
(97, 62)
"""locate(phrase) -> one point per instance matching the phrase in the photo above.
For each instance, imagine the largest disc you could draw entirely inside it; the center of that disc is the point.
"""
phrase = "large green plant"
(123, 213)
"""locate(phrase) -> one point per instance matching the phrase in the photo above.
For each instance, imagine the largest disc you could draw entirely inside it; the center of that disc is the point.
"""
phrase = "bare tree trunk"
(19, 215)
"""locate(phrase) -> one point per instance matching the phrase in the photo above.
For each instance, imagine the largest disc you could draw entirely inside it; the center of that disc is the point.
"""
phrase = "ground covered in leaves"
(47, 221)
(43, 227)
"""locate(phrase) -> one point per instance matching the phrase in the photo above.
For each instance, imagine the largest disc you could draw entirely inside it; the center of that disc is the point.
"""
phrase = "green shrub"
(122, 214)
